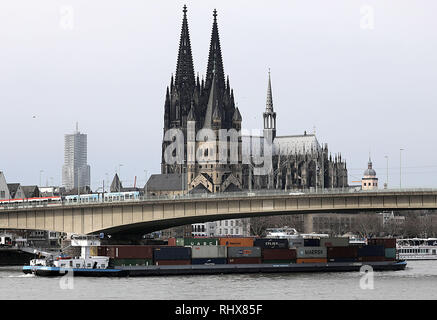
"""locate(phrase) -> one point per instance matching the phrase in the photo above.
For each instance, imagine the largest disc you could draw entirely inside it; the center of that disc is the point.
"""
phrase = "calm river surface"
(418, 281)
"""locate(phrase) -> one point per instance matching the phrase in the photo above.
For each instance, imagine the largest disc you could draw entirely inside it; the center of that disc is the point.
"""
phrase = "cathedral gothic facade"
(195, 107)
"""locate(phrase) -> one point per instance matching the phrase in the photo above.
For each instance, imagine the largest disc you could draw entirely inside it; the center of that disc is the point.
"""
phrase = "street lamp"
(145, 186)
(386, 182)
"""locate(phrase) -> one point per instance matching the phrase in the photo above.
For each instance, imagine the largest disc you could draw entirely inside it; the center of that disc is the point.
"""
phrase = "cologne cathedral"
(193, 104)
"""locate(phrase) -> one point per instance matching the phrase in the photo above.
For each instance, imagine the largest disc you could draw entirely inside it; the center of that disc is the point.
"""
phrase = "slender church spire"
(269, 103)
(184, 67)
(212, 102)
(215, 60)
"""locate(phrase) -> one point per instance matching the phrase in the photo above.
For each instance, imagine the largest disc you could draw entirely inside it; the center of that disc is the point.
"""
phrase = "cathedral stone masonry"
(203, 111)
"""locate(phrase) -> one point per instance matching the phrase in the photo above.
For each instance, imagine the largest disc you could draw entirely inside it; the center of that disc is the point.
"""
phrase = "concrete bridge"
(156, 213)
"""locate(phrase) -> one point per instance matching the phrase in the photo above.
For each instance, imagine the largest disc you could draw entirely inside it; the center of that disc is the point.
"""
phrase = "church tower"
(269, 115)
(182, 93)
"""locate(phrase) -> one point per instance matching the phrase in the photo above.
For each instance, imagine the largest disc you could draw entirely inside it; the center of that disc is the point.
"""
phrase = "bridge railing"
(220, 195)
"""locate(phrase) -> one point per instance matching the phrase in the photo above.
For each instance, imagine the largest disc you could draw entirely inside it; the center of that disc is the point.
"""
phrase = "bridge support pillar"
(308, 223)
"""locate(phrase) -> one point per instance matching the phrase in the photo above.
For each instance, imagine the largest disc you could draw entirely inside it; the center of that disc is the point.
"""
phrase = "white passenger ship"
(417, 249)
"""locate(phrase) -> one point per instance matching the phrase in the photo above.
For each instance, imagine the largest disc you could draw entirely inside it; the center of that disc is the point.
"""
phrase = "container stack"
(389, 245)
(244, 255)
(212, 251)
(276, 251)
(172, 256)
(209, 255)
(128, 255)
(311, 255)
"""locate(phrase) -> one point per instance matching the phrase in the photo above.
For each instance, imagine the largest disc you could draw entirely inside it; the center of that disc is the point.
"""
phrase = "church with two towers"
(200, 109)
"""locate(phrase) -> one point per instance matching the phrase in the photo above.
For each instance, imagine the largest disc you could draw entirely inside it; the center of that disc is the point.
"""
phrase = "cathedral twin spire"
(190, 98)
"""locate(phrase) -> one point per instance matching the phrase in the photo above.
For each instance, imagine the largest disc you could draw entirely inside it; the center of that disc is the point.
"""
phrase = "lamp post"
(386, 182)
(145, 185)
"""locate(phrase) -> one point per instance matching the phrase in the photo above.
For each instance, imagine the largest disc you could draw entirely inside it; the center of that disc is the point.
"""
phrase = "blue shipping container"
(172, 253)
(208, 261)
(371, 251)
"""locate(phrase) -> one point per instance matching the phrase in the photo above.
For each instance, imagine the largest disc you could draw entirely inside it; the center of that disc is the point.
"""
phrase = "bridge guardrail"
(221, 195)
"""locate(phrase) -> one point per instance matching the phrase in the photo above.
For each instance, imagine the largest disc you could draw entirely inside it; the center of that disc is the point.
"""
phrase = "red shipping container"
(279, 254)
(127, 251)
(244, 261)
(386, 242)
(172, 262)
(342, 252)
(172, 242)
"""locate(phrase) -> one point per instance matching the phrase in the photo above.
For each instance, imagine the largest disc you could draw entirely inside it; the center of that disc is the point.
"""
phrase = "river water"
(417, 281)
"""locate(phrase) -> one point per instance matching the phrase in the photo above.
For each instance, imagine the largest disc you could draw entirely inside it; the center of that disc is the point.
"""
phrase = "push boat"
(101, 266)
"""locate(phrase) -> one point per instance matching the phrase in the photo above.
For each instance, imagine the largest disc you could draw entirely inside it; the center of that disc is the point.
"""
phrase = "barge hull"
(143, 271)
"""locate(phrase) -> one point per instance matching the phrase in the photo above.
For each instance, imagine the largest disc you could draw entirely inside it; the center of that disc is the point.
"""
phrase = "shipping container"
(278, 254)
(209, 261)
(279, 261)
(236, 242)
(334, 242)
(342, 252)
(171, 242)
(371, 251)
(127, 251)
(390, 253)
(311, 252)
(271, 243)
(172, 262)
(244, 260)
(180, 242)
(386, 242)
(295, 243)
(201, 242)
(244, 252)
(208, 252)
(312, 260)
(172, 253)
(310, 242)
(131, 262)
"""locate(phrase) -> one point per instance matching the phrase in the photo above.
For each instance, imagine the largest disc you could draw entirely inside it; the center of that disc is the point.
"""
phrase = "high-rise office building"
(75, 171)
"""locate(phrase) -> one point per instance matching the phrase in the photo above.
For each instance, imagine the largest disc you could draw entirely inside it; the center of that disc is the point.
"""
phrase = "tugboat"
(85, 265)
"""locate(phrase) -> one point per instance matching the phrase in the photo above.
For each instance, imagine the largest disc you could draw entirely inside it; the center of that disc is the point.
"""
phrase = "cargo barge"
(167, 270)
(202, 257)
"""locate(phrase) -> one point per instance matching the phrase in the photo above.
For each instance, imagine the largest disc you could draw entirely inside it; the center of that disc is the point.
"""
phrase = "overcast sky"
(363, 73)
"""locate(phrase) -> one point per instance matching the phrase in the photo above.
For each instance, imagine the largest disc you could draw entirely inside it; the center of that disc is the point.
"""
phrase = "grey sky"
(364, 90)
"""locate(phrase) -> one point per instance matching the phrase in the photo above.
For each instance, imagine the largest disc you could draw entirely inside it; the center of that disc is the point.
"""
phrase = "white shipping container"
(208, 252)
